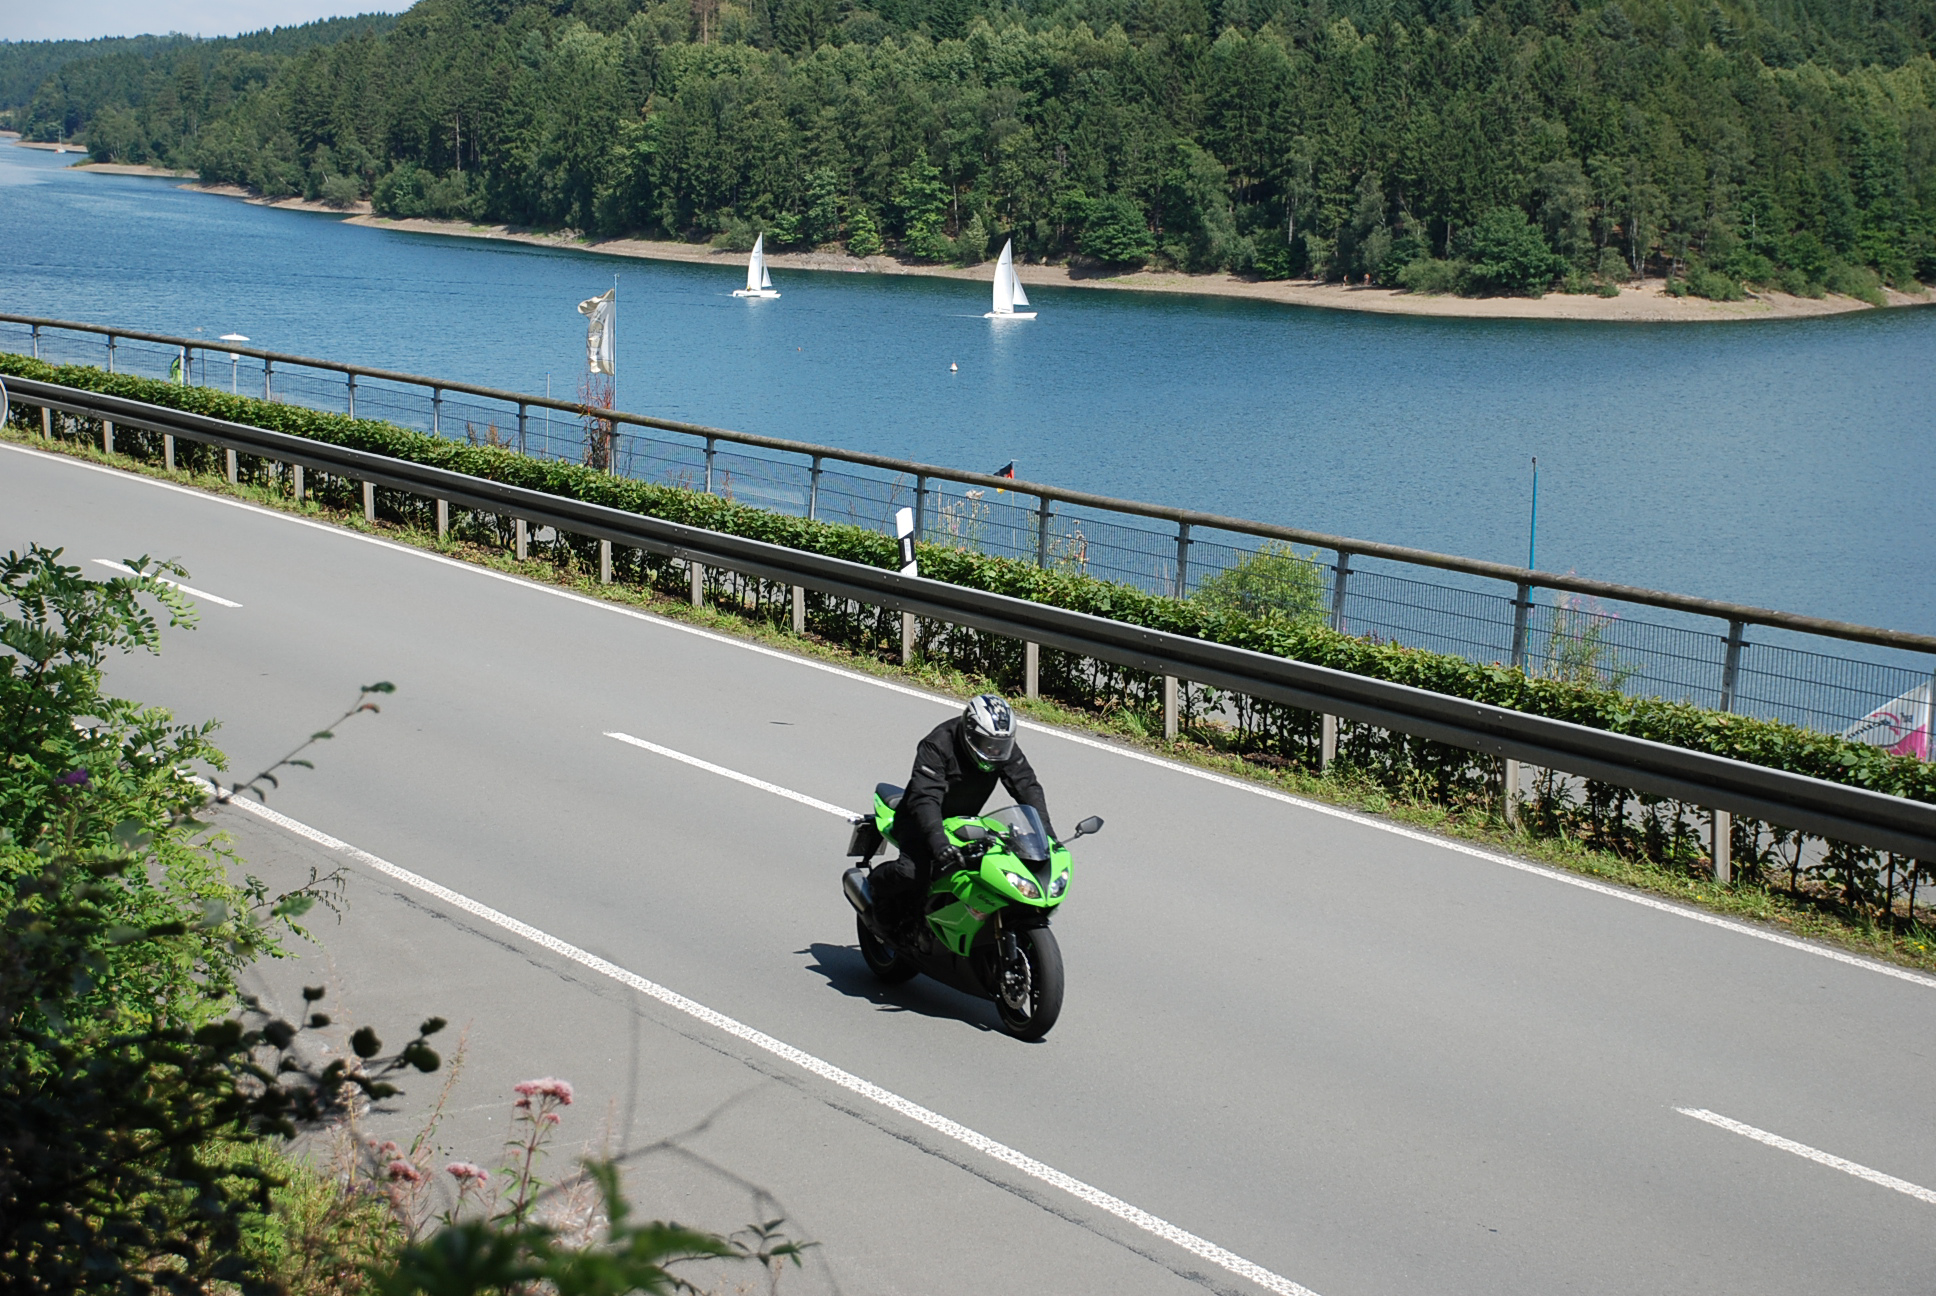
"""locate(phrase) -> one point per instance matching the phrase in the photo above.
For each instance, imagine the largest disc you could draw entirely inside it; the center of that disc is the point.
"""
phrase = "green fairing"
(980, 891)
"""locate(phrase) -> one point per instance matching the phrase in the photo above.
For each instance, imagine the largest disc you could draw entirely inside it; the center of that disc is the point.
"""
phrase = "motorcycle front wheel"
(1028, 997)
(884, 961)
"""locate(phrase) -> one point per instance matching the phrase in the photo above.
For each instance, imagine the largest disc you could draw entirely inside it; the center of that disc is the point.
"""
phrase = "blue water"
(1785, 464)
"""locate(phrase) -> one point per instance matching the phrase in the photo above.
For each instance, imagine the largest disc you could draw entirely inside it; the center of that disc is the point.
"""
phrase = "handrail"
(1742, 612)
(1796, 801)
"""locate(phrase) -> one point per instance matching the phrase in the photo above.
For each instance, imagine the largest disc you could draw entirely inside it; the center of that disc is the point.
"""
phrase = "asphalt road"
(1365, 1060)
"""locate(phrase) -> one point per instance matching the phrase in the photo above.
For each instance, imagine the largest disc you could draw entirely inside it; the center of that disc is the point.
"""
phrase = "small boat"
(1008, 289)
(758, 282)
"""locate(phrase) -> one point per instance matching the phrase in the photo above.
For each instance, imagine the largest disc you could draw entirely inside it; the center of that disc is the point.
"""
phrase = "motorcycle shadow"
(846, 971)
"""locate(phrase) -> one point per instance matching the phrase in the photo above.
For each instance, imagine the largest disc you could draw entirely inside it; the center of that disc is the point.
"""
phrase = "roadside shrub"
(1276, 580)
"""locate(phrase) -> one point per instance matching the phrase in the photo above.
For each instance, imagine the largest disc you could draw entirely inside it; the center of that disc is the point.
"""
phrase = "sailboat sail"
(1008, 288)
(766, 280)
(756, 266)
(1016, 296)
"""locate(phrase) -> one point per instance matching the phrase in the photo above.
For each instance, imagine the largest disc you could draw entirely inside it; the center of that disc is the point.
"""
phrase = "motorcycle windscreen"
(1029, 835)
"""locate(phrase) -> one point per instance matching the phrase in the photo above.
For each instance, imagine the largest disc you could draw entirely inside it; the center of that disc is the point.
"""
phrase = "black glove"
(948, 856)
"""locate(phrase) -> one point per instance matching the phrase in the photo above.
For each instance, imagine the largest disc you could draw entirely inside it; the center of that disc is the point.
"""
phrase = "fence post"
(296, 482)
(110, 353)
(1169, 708)
(1327, 742)
(443, 518)
(604, 561)
(1731, 665)
(698, 582)
(229, 460)
(1042, 532)
(37, 346)
(268, 392)
(523, 411)
(1723, 847)
(799, 610)
(1032, 670)
(168, 451)
(351, 385)
(1341, 576)
(1183, 560)
(436, 411)
(920, 506)
(520, 538)
(712, 444)
(813, 490)
(1522, 617)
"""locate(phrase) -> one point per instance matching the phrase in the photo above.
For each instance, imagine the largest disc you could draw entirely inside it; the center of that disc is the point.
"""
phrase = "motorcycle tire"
(1044, 958)
(884, 961)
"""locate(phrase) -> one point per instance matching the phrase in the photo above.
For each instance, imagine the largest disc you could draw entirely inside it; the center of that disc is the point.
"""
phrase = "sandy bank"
(50, 148)
(132, 168)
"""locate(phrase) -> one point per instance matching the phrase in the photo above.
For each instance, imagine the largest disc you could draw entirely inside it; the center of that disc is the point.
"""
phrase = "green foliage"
(1506, 254)
(864, 234)
(1432, 276)
(1712, 284)
(1284, 138)
(1276, 580)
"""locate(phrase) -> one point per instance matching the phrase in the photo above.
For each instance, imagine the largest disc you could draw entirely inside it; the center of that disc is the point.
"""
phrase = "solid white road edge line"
(1142, 1219)
(1816, 1155)
(1241, 785)
(126, 570)
(738, 777)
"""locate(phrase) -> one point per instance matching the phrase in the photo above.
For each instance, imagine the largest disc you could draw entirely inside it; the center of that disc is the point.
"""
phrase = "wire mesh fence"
(1818, 681)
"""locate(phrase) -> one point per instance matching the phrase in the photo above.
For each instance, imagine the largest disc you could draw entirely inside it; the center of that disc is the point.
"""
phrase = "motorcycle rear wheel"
(1044, 958)
(884, 961)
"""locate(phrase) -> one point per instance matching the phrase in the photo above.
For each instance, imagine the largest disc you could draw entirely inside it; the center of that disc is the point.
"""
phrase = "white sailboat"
(1008, 289)
(758, 282)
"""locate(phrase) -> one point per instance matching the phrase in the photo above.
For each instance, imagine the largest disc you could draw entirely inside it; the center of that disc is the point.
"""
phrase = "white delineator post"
(904, 532)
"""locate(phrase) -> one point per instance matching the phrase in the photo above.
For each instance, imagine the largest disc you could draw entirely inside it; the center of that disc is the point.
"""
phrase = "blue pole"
(1532, 530)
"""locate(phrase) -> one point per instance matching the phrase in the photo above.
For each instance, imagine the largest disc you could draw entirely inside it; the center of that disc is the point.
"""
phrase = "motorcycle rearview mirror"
(972, 833)
(1090, 825)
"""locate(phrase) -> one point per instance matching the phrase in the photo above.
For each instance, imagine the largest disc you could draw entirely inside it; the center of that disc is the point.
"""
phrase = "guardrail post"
(1327, 742)
(168, 451)
(604, 562)
(907, 638)
(1723, 847)
(920, 506)
(1183, 560)
(351, 384)
(268, 392)
(799, 610)
(523, 413)
(1522, 618)
(234, 469)
(107, 436)
(1032, 670)
(436, 411)
(712, 445)
(698, 574)
(813, 491)
(46, 423)
(1511, 783)
(1042, 531)
(443, 518)
(1169, 708)
(1341, 576)
(520, 538)
(1731, 665)
(296, 482)
(369, 501)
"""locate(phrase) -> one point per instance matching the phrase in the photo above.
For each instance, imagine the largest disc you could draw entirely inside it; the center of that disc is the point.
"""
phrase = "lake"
(1785, 463)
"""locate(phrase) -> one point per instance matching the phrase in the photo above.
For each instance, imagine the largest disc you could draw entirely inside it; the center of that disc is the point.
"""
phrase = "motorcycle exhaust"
(853, 884)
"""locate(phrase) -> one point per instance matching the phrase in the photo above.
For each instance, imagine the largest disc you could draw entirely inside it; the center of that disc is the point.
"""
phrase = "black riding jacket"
(946, 783)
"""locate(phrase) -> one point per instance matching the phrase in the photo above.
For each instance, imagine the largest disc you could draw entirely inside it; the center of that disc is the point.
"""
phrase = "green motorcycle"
(983, 929)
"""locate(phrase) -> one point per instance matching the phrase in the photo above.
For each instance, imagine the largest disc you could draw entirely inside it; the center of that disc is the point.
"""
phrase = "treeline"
(1534, 144)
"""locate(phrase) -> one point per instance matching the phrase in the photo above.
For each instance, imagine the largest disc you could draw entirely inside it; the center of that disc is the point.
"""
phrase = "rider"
(956, 767)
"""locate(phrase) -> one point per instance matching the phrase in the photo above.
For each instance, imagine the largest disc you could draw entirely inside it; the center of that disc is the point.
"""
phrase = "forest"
(1523, 147)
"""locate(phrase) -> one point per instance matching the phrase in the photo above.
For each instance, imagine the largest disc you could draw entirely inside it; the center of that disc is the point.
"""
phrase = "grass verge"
(1911, 945)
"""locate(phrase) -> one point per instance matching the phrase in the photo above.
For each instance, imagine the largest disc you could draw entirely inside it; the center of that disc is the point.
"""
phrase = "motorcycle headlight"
(1025, 885)
(1057, 887)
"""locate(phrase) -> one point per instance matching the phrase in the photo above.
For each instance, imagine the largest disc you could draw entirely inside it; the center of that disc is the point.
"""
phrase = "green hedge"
(1608, 816)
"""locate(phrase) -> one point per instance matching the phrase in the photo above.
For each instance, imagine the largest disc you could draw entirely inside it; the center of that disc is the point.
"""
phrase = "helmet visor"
(989, 749)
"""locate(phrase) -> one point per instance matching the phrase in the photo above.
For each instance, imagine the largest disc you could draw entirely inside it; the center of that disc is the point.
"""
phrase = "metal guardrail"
(1812, 805)
(1644, 642)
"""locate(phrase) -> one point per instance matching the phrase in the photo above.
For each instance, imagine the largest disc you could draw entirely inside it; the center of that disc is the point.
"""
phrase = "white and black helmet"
(988, 730)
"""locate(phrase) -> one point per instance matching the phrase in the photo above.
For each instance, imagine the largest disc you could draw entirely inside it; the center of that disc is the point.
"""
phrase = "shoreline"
(1645, 303)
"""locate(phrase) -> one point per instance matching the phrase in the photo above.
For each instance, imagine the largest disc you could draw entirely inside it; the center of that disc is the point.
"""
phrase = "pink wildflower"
(464, 1172)
(553, 1118)
(549, 1087)
(385, 1148)
(403, 1171)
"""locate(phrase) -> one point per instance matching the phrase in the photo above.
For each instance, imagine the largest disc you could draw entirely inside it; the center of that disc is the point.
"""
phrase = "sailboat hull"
(1009, 315)
(756, 292)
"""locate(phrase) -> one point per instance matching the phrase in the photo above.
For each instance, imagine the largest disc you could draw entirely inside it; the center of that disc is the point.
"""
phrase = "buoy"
(953, 367)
